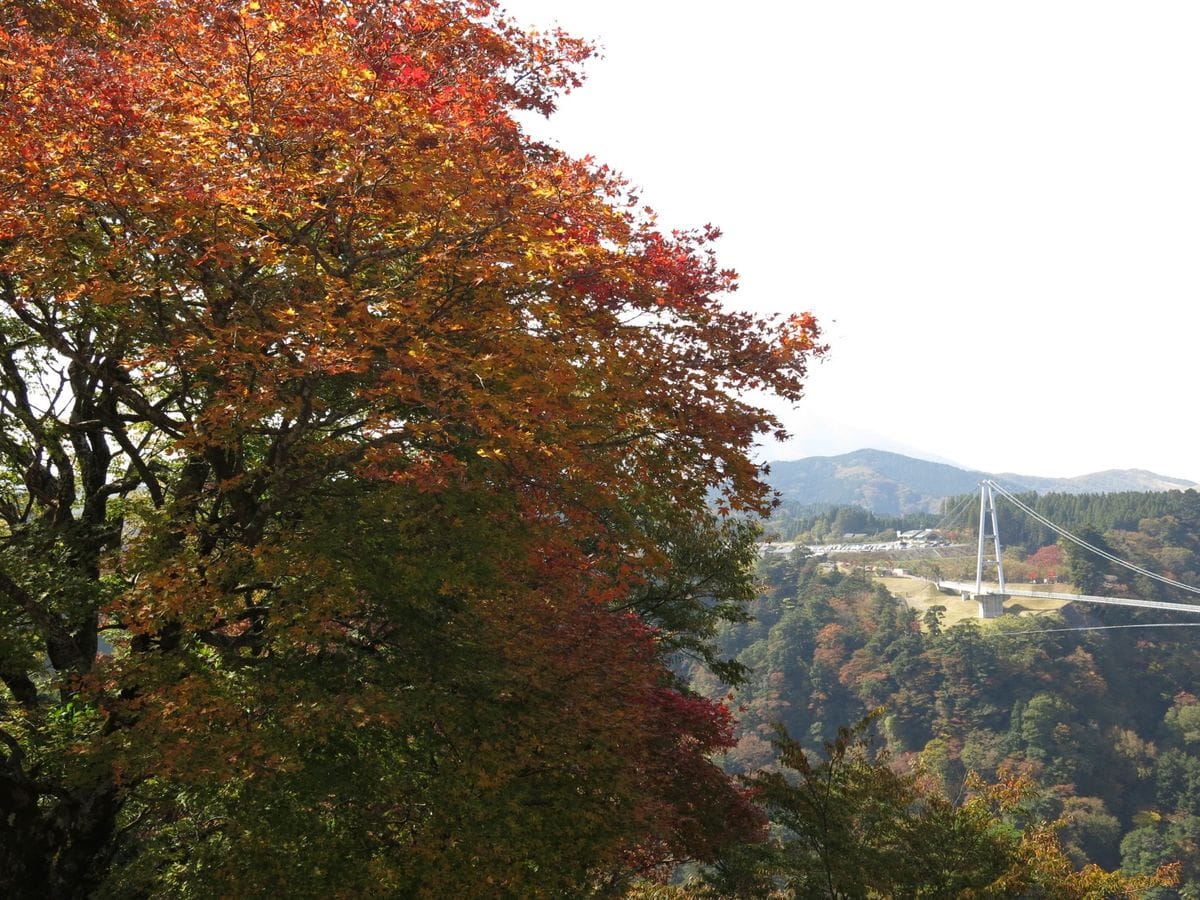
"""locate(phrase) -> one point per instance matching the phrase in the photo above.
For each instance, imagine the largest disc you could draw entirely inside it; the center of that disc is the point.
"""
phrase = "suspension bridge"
(991, 595)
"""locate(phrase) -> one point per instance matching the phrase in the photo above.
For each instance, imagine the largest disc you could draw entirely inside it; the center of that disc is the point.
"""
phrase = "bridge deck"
(962, 587)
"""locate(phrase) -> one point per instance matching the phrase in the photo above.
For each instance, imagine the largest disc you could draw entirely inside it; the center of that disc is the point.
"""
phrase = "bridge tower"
(991, 605)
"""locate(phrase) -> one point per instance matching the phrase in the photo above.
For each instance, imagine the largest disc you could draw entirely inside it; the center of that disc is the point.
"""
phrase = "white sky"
(993, 208)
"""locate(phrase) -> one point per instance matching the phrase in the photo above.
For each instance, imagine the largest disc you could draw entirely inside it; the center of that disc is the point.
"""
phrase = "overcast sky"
(993, 208)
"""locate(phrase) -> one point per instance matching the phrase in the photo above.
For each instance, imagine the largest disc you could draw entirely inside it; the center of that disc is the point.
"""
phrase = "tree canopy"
(850, 826)
(356, 459)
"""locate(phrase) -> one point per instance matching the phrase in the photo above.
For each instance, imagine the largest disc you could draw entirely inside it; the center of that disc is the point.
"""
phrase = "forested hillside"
(1105, 722)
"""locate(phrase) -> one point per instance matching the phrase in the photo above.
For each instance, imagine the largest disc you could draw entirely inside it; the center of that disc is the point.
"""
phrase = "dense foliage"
(1106, 724)
(356, 455)
(850, 825)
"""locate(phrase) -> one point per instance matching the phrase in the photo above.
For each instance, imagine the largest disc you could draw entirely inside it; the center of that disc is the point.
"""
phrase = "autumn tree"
(1047, 562)
(356, 463)
(848, 825)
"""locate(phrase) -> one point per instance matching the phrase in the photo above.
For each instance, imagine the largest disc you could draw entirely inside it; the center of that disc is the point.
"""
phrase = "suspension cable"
(1062, 532)
(950, 519)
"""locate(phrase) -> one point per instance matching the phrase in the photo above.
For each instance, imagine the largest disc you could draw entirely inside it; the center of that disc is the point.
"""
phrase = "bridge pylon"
(991, 604)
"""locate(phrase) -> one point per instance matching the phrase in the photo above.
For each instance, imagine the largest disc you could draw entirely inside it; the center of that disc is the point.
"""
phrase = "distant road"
(915, 549)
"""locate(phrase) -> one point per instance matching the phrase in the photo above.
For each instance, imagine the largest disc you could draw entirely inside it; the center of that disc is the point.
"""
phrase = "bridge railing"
(962, 587)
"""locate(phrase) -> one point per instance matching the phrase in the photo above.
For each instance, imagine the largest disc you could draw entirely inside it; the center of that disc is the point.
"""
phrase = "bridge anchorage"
(991, 597)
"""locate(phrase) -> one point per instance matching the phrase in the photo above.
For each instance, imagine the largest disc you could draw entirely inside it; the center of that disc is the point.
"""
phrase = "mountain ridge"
(891, 483)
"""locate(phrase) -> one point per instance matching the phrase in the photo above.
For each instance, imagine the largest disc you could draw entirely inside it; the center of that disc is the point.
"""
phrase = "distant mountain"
(891, 483)
(1109, 481)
